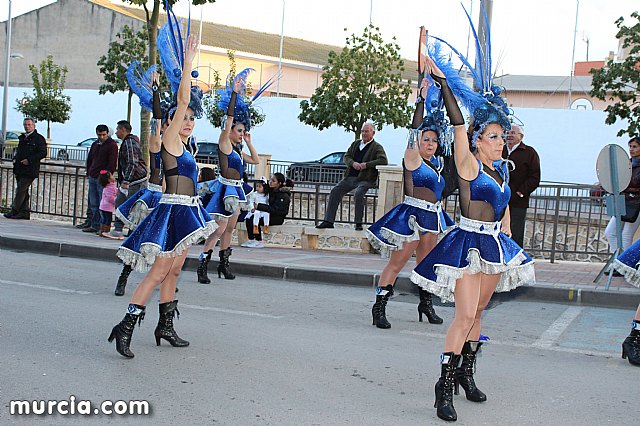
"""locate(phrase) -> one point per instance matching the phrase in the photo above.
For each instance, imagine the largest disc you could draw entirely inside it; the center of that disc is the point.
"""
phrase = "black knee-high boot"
(464, 373)
(203, 278)
(164, 329)
(426, 307)
(631, 345)
(223, 266)
(379, 309)
(123, 331)
(444, 387)
(122, 280)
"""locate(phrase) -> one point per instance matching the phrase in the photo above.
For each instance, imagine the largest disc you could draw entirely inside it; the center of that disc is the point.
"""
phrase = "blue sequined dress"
(229, 191)
(477, 245)
(420, 212)
(627, 264)
(137, 207)
(178, 221)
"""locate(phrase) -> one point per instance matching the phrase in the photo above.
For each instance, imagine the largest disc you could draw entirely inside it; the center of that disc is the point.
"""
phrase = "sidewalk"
(562, 282)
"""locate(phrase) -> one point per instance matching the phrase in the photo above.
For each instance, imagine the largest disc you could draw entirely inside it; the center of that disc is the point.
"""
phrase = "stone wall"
(75, 32)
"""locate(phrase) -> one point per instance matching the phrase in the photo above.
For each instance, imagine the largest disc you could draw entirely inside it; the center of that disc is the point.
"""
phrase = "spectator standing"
(32, 147)
(631, 196)
(361, 159)
(103, 155)
(132, 171)
(523, 180)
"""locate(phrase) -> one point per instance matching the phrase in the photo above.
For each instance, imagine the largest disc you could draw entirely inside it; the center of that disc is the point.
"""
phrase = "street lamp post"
(280, 58)
(5, 99)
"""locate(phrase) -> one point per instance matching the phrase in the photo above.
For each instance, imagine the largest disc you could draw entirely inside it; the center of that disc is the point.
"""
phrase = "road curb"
(539, 292)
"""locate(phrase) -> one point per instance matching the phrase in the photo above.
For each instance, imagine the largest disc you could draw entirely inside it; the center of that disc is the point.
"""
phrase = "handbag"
(632, 210)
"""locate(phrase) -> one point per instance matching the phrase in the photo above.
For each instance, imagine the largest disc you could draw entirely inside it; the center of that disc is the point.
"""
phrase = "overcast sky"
(529, 36)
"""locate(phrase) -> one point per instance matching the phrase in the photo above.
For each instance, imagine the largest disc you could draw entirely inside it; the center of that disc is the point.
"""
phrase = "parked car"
(329, 169)
(76, 153)
(207, 152)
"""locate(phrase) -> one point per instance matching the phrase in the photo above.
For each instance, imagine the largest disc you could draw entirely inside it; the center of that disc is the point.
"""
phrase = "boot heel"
(456, 387)
(419, 315)
(112, 335)
(624, 353)
(157, 341)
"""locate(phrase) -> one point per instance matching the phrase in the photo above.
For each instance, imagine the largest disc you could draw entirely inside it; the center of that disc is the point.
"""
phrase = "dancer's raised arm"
(466, 162)
(171, 139)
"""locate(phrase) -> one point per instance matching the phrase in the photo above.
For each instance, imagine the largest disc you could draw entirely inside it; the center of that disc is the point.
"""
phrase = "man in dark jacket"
(132, 171)
(32, 147)
(103, 155)
(361, 159)
(523, 180)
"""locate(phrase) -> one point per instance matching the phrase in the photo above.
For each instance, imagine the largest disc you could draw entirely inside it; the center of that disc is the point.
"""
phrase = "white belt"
(155, 188)
(230, 182)
(490, 228)
(185, 200)
(423, 204)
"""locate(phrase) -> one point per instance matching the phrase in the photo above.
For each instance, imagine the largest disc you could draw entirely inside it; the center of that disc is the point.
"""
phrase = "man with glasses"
(523, 180)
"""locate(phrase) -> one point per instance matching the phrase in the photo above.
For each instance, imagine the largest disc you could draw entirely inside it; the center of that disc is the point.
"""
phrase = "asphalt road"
(286, 353)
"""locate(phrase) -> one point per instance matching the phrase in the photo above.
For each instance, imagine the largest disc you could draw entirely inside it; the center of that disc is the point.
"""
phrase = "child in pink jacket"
(108, 201)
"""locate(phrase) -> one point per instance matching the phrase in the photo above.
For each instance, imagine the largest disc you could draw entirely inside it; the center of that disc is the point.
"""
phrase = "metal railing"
(564, 221)
(60, 190)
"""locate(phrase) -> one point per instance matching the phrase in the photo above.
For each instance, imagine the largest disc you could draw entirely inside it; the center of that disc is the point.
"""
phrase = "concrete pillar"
(390, 190)
(264, 167)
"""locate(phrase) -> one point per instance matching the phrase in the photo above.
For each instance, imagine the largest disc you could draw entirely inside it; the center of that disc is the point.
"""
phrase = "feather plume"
(141, 83)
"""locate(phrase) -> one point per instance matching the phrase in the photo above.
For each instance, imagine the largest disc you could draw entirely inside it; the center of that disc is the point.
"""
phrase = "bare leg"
(212, 239)
(427, 242)
(397, 260)
(637, 317)
(168, 286)
(158, 273)
(488, 285)
(467, 295)
(225, 239)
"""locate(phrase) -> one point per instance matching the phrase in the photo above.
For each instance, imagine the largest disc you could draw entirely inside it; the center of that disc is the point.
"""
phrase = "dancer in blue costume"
(162, 240)
(229, 191)
(478, 258)
(628, 264)
(414, 225)
(136, 208)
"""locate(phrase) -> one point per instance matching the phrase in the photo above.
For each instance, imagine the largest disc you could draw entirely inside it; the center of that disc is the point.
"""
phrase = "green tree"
(48, 103)
(620, 81)
(362, 82)
(210, 99)
(152, 20)
(128, 47)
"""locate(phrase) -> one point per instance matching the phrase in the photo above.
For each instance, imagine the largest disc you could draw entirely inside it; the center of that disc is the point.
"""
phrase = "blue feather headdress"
(141, 83)
(485, 105)
(435, 118)
(171, 49)
(242, 111)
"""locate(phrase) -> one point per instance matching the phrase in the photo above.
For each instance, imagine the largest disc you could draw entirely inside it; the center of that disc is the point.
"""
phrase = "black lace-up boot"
(464, 373)
(379, 309)
(123, 331)
(164, 329)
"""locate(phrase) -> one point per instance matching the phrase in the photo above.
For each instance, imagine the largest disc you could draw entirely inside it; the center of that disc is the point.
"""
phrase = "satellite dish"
(613, 181)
